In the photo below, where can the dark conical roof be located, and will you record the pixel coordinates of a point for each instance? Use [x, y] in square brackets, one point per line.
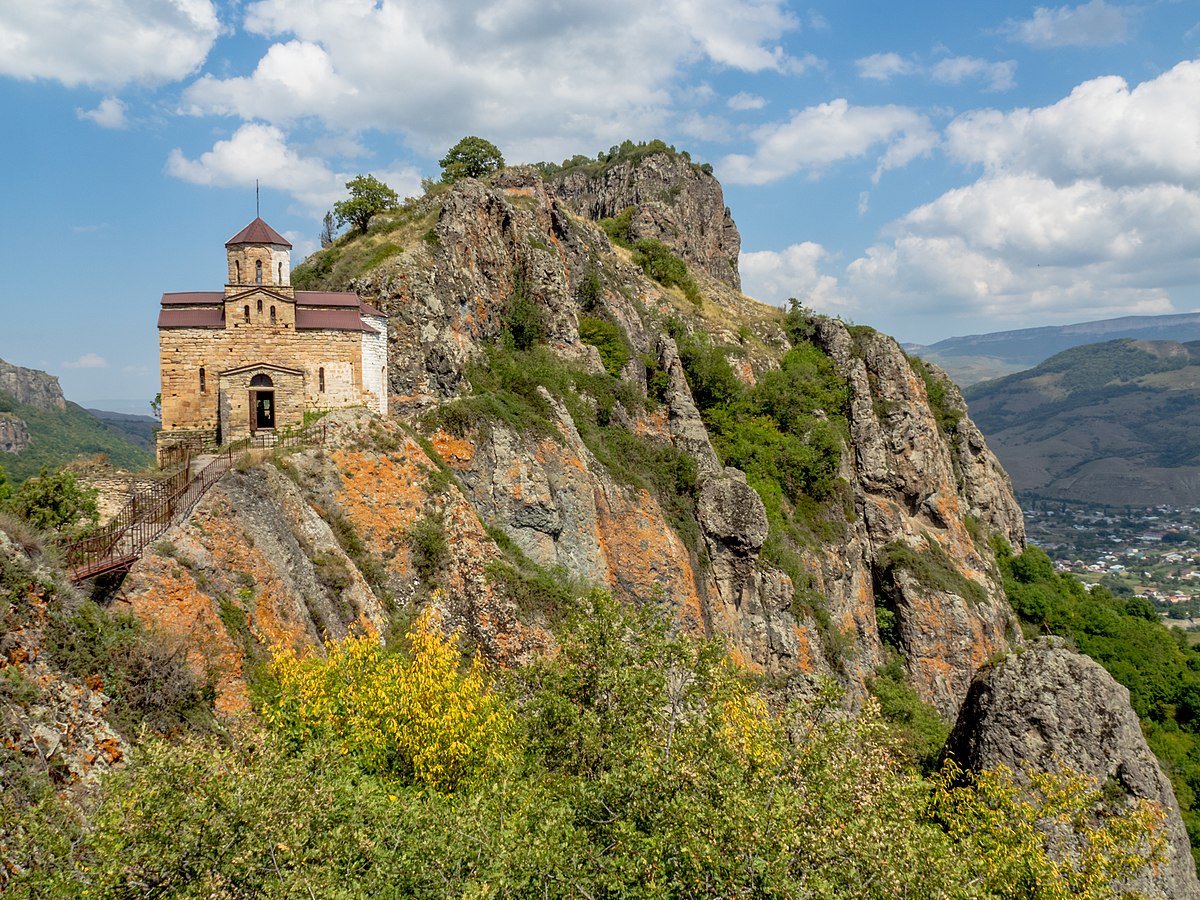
[258, 232]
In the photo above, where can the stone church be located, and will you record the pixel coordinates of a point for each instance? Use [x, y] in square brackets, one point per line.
[259, 355]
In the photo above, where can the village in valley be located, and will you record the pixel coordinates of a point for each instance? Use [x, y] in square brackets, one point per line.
[1151, 552]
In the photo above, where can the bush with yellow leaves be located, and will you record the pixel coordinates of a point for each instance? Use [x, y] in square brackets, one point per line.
[421, 717]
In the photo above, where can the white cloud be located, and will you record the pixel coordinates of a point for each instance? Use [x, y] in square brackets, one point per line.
[1103, 129]
[109, 114]
[1094, 24]
[773, 277]
[537, 79]
[1087, 208]
[745, 101]
[819, 136]
[885, 66]
[106, 42]
[261, 152]
[957, 69]
[87, 361]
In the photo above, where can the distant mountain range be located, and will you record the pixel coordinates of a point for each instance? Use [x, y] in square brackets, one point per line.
[1115, 422]
[979, 357]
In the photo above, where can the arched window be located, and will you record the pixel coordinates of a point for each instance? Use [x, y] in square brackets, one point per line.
[246, 313]
[258, 271]
[321, 379]
[237, 271]
[260, 307]
[272, 315]
[261, 381]
[202, 380]
[280, 281]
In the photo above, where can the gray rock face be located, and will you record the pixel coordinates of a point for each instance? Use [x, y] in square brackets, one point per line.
[905, 481]
[675, 202]
[31, 387]
[14, 435]
[1048, 706]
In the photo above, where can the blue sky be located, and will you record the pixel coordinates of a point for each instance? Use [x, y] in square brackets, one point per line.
[930, 169]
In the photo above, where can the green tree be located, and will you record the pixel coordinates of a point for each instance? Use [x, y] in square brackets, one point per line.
[5, 487]
[368, 196]
[472, 157]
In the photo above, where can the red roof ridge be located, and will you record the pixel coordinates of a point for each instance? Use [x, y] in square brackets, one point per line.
[258, 232]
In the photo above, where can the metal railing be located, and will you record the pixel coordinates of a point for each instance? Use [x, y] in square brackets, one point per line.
[150, 511]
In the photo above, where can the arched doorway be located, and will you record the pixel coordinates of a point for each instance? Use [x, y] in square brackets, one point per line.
[262, 403]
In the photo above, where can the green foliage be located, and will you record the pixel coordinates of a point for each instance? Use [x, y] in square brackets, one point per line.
[640, 765]
[618, 227]
[1157, 665]
[430, 548]
[148, 679]
[932, 568]
[659, 262]
[590, 290]
[60, 436]
[920, 732]
[626, 151]
[606, 337]
[524, 324]
[55, 502]
[471, 157]
[368, 197]
[5, 487]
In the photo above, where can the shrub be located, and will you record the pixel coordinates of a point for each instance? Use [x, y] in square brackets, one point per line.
[606, 337]
[419, 719]
[618, 227]
[932, 568]
[429, 547]
[523, 323]
[55, 502]
[658, 262]
[149, 680]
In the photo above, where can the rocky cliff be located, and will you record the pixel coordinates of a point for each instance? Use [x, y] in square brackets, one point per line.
[1048, 706]
[672, 200]
[14, 434]
[30, 387]
[540, 460]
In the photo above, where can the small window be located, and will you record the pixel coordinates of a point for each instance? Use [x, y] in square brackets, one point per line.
[280, 273]
[237, 272]
[261, 381]
[246, 314]
[258, 271]
[260, 307]
[202, 380]
[272, 315]
[321, 379]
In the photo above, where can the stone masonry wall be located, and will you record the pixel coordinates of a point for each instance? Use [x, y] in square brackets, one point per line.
[183, 351]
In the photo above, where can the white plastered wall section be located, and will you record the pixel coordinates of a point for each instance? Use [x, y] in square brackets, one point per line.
[374, 362]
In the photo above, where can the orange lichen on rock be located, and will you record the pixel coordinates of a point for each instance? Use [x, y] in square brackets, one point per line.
[645, 557]
[382, 495]
[168, 597]
[455, 451]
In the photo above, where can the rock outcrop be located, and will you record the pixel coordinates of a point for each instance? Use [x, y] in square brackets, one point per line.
[31, 387]
[674, 201]
[908, 484]
[1048, 706]
[14, 434]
